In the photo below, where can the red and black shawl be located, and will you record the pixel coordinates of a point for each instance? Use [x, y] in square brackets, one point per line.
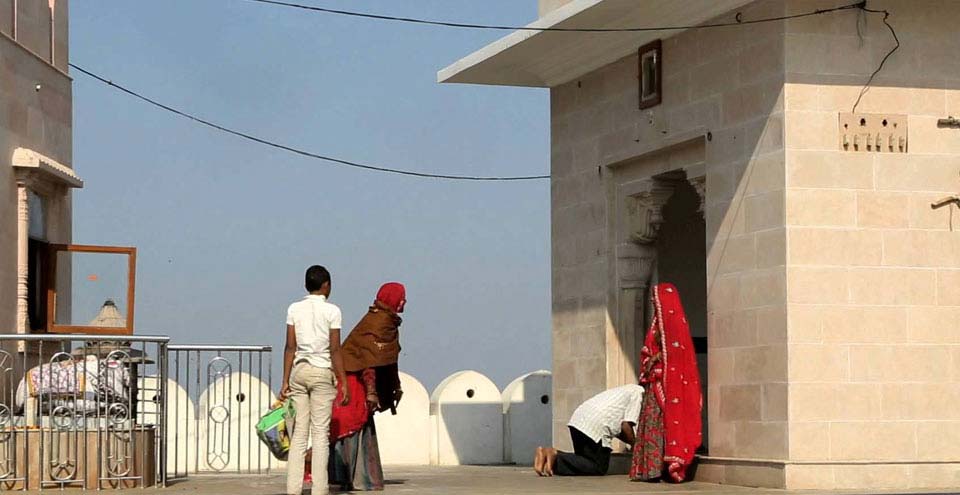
[669, 429]
[370, 355]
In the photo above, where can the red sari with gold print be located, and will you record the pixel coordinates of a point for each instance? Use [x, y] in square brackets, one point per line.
[669, 428]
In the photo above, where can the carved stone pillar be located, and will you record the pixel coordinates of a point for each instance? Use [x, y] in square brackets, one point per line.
[644, 211]
[700, 184]
[51, 179]
[639, 224]
[635, 264]
[23, 264]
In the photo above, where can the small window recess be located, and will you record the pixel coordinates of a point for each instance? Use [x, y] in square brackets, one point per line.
[36, 260]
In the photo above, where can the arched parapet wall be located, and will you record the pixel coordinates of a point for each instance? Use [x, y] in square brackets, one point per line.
[467, 409]
[527, 416]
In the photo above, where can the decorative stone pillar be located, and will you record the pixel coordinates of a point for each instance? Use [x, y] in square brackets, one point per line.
[23, 263]
[700, 184]
[635, 264]
[640, 220]
[44, 176]
[644, 211]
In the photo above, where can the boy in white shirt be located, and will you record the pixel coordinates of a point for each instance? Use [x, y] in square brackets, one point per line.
[311, 360]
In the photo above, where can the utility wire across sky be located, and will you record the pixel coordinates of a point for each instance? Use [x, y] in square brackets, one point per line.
[376, 168]
[496, 27]
[298, 151]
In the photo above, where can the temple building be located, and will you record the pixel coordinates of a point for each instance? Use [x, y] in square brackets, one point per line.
[794, 176]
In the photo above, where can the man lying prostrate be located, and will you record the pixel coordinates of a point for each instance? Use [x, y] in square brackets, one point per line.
[608, 415]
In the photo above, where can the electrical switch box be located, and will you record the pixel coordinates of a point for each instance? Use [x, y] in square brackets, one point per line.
[873, 133]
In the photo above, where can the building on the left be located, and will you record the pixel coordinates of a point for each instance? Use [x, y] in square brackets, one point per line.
[39, 265]
[36, 171]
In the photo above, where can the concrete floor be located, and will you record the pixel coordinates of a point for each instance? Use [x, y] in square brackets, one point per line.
[474, 480]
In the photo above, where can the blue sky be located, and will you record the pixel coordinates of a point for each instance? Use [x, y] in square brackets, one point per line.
[225, 228]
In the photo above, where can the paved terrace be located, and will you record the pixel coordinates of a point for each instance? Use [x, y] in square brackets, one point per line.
[474, 480]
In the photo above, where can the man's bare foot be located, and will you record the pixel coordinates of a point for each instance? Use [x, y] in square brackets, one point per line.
[538, 461]
[550, 461]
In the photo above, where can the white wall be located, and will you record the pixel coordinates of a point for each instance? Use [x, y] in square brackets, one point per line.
[526, 417]
[469, 419]
[449, 427]
[181, 421]
[405, 438]
[229, 410]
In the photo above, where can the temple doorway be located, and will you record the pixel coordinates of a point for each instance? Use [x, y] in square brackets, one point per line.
[682, 261]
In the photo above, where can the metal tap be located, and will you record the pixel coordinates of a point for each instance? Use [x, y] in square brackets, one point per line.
[940, 203]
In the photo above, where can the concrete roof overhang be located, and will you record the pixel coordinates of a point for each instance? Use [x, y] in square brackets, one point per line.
[550, 58]
[27, 160]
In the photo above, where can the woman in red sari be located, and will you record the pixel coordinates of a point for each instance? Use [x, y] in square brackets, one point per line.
[669, 428]
[370, 356]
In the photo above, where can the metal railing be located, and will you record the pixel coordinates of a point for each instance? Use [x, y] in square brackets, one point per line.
[95, 412]
[82, 411]
[221, 392]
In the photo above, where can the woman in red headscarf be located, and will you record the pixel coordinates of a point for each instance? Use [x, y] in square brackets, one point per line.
[370, 356]
[669, 427]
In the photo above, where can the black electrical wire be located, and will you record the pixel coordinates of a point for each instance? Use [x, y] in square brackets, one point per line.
[498, 27]
[866, 87]
[861, 5]
[298, 151]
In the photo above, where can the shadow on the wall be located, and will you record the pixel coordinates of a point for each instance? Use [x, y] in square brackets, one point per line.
[527, 413]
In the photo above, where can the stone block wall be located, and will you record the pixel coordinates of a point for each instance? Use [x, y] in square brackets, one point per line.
[873, 306]
[728, 83]
[832, 303]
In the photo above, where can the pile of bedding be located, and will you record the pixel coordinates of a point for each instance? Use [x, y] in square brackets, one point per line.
[83, 386]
